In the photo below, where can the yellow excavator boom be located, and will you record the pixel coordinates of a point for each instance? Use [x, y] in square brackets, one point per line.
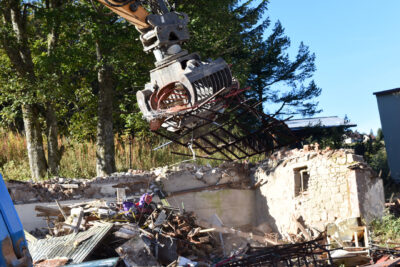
[132, 11]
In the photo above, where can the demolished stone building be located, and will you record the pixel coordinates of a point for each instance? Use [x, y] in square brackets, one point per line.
[309, 186]
[317, 188]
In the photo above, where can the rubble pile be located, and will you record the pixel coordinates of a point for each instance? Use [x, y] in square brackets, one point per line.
[142, 232]
[310, 253]
[388, 256]
[72, 189]
[46, 191]
[302, 207]
[227, 175]
[147, 231]
[164, 234]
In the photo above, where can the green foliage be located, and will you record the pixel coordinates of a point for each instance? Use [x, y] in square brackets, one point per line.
[374, 153]
[79, 160]
[65, 75]
[236, 30]
[386, 229]
[325, 137]
[379, 136]
[378, 161]
[16, 170]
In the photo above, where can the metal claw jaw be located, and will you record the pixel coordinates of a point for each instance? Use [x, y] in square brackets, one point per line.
[179, 87]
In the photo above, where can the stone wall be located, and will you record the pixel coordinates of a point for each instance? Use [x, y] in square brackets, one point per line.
[224, 191]
[232, 198]
[337, 185]
[234, 207]
[311, 186]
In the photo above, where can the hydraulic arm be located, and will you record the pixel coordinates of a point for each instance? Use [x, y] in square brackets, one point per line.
[181, 81]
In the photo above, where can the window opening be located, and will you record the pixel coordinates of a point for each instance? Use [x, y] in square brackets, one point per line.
[301, 179]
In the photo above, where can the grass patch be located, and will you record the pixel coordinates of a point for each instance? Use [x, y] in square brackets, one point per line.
[386, 230]
[79, 159]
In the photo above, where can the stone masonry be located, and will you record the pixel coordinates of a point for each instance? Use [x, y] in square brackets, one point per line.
[309, 186]
[316, 188]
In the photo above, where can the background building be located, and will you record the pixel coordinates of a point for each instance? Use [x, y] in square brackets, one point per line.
[389, 110]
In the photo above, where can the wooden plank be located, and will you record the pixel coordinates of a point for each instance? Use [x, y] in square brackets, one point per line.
[61, 210]
[302, 229]
[51, 211]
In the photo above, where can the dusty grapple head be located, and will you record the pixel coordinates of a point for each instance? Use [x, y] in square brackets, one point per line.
[180, 80]
[196, 104]
[179, 86]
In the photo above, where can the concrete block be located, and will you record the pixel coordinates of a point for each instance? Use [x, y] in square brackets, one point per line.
[182, 180]
[235, 207]
[212, 177]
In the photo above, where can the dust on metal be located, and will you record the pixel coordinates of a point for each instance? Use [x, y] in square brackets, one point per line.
[65, 246]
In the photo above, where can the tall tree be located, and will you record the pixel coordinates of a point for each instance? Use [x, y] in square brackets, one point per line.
[53, 9]
[240, 32]
[113, 72]
[29, 37]
[105, 164]
[15, 42]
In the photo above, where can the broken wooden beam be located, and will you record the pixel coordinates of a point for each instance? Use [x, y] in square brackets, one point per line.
[302, 229]
[61, 210]
[51, 212]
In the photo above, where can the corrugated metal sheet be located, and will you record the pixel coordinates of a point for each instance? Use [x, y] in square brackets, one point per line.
[64, 246]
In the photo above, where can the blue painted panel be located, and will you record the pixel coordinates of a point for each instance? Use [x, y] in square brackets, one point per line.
[3, 235]
[10, 219]
[389, 110]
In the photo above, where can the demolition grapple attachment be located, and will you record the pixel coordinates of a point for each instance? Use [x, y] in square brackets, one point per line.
[181, 85]
[180, 81]
[193, 102]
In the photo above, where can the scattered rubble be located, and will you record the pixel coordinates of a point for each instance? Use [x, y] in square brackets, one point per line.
[310, 253]
[157, 234]
[385, 256]
[300, 207]
[188, 176]
[145, 233]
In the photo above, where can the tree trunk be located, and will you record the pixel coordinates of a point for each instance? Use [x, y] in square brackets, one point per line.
[19, 53]
[54, 153]
[105, 155]
[34, 140]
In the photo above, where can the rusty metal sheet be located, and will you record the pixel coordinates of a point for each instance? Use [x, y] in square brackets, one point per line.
[243, 130]
[389, 263]
[65, 246]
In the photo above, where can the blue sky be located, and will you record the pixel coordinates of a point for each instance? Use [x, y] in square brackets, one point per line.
[357, 47]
